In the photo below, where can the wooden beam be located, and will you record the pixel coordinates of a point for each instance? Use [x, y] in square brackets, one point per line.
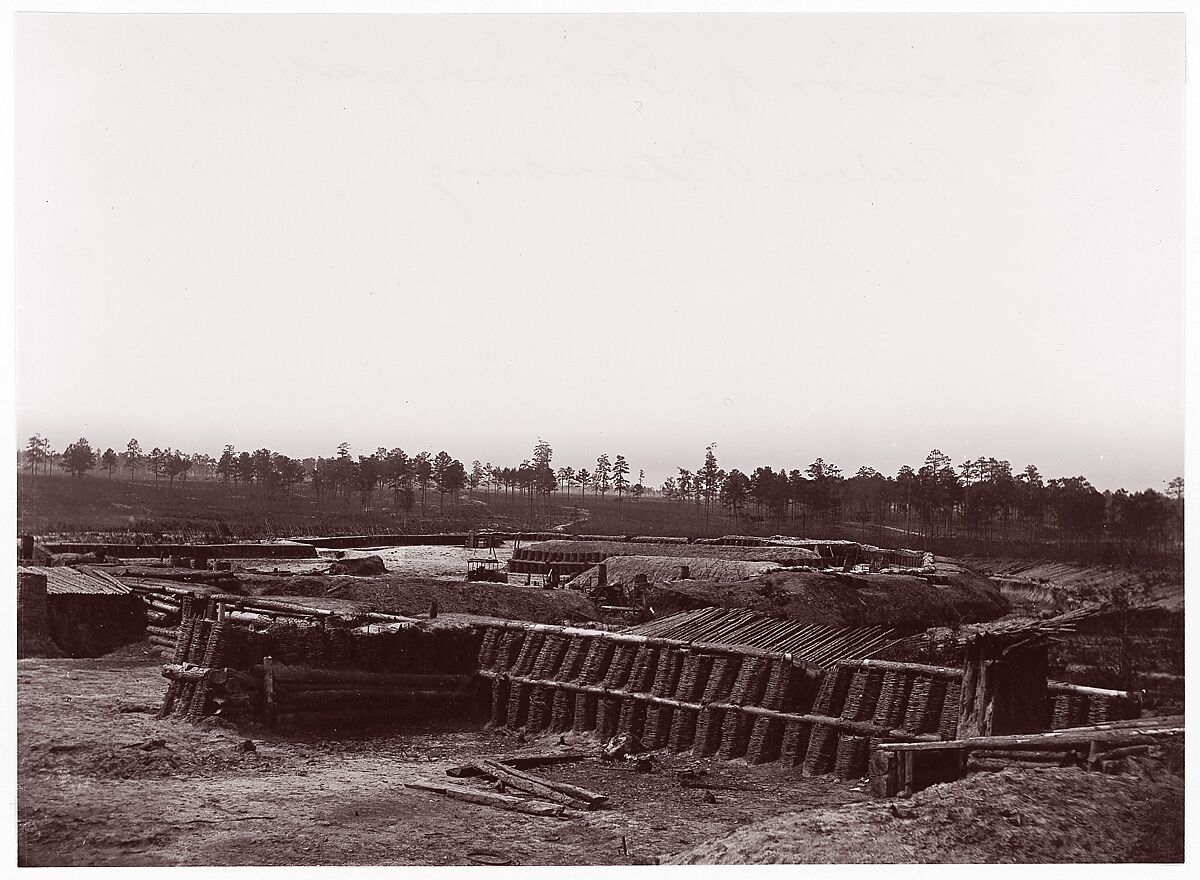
[520, 762]
[863, 727]
[1054, 739]
[489, 799]
[575, 793]
[946, 672]
[532, 785]
[1063, 687]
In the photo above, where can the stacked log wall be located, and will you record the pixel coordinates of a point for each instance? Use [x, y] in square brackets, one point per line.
[711, 700]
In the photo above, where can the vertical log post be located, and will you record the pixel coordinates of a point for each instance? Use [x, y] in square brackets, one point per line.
[885, 774]
[269, 691]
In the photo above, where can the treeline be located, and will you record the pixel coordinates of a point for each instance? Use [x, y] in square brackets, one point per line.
[982, 503]
[341, 479]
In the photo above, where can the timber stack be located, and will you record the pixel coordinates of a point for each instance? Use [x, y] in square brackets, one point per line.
[289, 663]
[731, 701]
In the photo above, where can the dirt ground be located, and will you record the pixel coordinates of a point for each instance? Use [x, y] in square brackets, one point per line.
[1041, 814]
[102, 782]
[424, 561]
[408, 595]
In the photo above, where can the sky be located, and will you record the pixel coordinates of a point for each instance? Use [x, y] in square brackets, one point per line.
[853, 237]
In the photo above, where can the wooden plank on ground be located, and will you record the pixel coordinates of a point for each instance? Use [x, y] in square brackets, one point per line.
[576, 798]
[488, 799]
[520, 762]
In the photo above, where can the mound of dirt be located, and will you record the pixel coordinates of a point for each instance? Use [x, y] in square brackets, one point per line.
[1015, 815]
[662, 569]
[400, 595]
[954, 594]
[359, 566]
[1074, 584]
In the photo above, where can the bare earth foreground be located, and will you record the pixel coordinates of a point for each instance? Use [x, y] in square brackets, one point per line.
[102, 782]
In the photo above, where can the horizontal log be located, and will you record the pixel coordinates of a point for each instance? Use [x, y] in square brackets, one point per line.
[489, 799]
[160, 605]
[522, 782]
[171, 631]
[187, 672]
[839, 723]
[1122, 752]
[379, 696]
[583, 795]
[977, 763]
[343, 716]
[370, 688]
[237, 681]
[521, 762]
[161, 591]
[227, 699]
[276, 605]
[1129, 723]
[1033, 757]
[1057, 739]
[944, 672]
[289, 676]
[1062, 687]
[249, 617]
[382, 617]
[633, 638]
[161, 616]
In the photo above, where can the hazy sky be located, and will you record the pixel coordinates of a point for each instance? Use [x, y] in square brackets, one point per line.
[851, 237]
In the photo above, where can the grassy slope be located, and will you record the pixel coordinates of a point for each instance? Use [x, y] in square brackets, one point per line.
[210, 510]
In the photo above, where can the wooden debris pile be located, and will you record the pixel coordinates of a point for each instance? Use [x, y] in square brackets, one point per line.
[543, 797]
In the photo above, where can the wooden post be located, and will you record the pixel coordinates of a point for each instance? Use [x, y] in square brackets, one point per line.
[269, 691]
[885, 773]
